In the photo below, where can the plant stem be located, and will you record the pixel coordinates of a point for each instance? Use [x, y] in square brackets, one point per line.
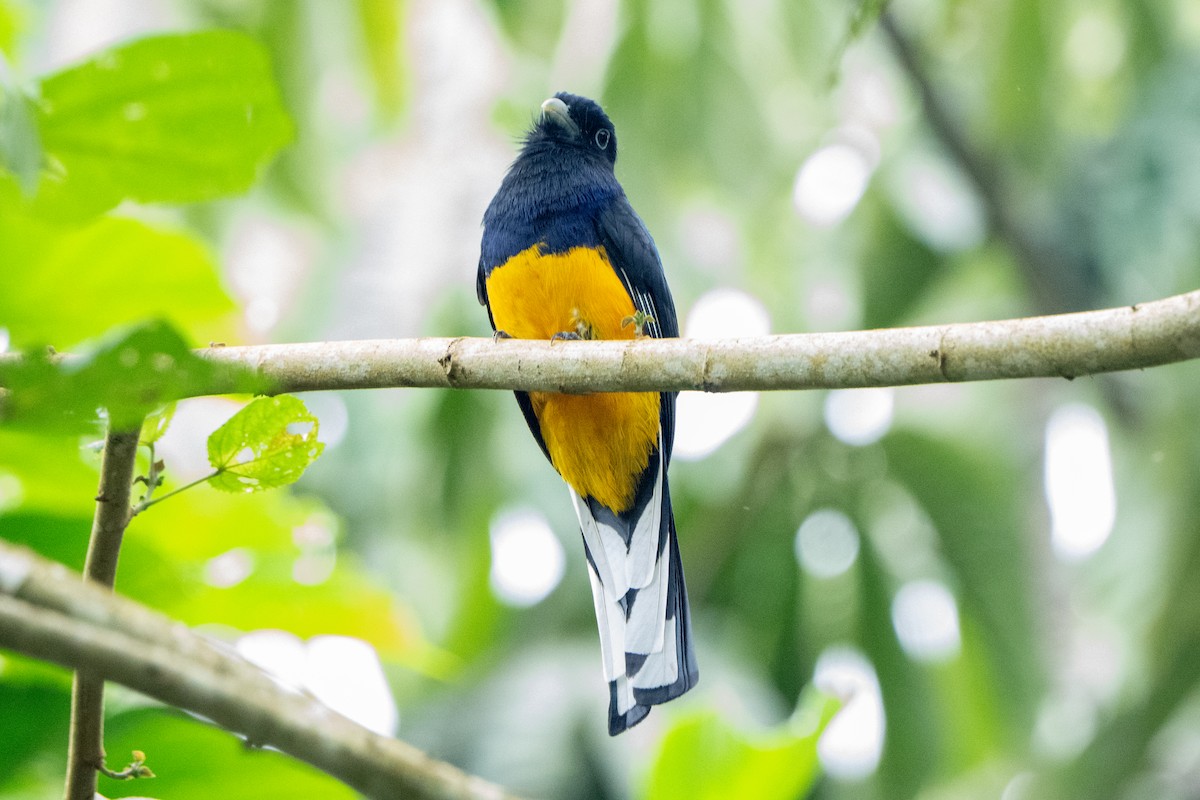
[85, 752]
[142, 506]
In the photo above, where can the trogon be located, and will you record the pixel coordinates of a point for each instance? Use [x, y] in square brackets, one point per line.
[564, 256]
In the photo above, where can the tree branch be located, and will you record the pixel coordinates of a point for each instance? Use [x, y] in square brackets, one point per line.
[85, 751]
[47, 613]
[1067, 345]
[1062, 345]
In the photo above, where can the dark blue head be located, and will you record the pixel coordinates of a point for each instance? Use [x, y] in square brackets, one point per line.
[559, 184]
[576, 124]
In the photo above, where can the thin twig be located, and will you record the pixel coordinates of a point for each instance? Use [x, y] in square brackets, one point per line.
[149, 501]
[45, 612]
[85, 752]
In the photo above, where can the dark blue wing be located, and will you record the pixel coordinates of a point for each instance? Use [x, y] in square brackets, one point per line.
[631, 251]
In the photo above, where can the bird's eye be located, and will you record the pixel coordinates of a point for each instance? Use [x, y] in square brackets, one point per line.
[602, 136]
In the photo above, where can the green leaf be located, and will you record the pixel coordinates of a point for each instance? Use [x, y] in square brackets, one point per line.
[63, 286]
[130, 372]
[156, 423]
[176, 118]
[702, 756]
[267, 444]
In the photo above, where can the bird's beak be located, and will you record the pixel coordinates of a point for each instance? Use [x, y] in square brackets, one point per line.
[555, 110]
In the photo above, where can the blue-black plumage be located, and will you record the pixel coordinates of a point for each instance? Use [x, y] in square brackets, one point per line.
[564, 255]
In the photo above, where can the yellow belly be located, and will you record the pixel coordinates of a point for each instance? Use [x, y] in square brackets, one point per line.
[599, 443]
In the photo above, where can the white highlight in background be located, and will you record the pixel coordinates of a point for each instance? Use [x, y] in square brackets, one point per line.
[527, 558]
[1019, 788]
[1095, 45]
[852, 744]
[1066, 723]
[937, 203]
[330, 409]
[703, 421]
[1079, 481]
[343, 673]
[265, 259]
[12, 491]
[860, 416]
[830, 183]
[229, 568]
[827, 543]
[925, 616]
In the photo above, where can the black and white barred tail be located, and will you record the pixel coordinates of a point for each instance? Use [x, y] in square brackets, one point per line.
[640, 599]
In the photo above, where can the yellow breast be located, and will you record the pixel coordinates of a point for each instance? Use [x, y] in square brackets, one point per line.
[600, 443]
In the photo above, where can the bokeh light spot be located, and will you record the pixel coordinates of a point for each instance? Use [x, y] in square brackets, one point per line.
[229, 568]
[330, 409]
[703, 421]
[925, 616]
[1095, 45]
[345, 674]
[313, 569]
[527, 559]
[1066, 722]
[830, 183]
[938, 203]
[1079, 481]
[852, 744]
[860, 416]
[12, 491]
[827, 543]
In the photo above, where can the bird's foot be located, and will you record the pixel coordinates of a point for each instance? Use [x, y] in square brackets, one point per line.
[568, 336]
[498, 335]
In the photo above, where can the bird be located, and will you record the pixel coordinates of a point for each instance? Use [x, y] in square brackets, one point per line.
[564, 256]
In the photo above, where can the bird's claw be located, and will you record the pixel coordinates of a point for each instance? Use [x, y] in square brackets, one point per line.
[568, 336]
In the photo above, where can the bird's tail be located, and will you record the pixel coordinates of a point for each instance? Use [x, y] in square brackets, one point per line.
[641, 602]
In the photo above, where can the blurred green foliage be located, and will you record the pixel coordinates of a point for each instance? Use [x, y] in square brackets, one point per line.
[363, 141]
[129, 373]
[141, 121]
[703, 757]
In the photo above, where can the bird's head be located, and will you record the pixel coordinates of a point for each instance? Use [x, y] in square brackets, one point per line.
[576, 122]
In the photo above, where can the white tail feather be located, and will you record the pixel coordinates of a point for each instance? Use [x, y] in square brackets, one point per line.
[615, 569]
[646, 655]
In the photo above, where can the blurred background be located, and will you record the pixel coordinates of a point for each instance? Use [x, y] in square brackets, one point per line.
[1001, 580]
